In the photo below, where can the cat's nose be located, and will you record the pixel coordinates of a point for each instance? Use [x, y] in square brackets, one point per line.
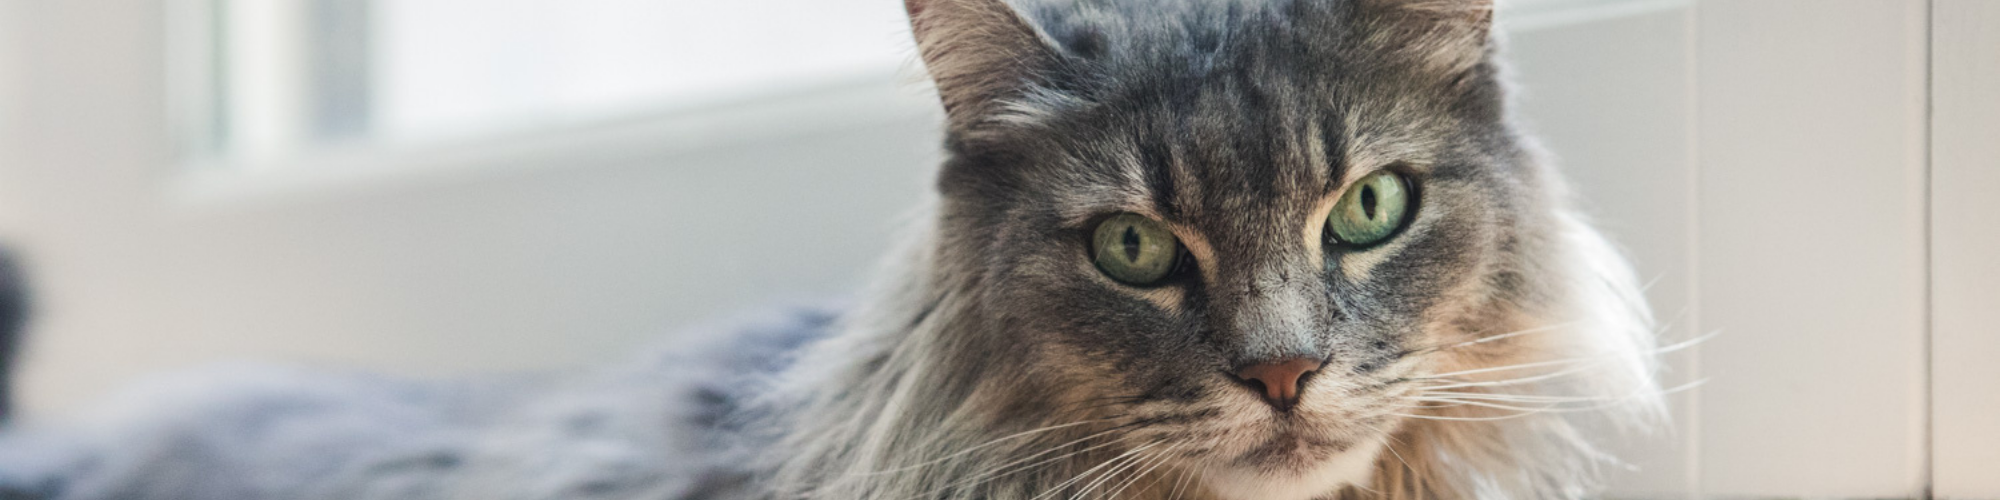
[1278, 381]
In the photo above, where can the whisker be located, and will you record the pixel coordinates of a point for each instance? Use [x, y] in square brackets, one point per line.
[1165, 456]
[1521, 409]
[1004, 470]
[1017, 466]
[1492, 338]
[985, 445]
[1110, 476]
[1087, 472]
[1107, 475]
[1159, 459]
[1138, 462]
[1176, 493]
[1390, 443]
[1507, 382]
[1462, 419]
[1516, 398]
[1603, 403]
[1669, 348]
[1544, 398]
[1506, 368]
[1599, 357]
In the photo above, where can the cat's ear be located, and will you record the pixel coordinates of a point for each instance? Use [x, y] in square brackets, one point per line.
[979, 52]
[1443, 36]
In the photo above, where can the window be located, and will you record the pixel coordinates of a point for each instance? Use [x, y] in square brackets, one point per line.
[282, 77]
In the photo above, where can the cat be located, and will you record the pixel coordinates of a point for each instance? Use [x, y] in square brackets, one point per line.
[1204, 249]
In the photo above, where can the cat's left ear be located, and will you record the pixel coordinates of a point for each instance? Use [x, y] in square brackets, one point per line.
[979, 52]
[1443, 36]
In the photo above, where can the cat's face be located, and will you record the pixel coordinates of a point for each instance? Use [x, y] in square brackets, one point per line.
[1184, 191]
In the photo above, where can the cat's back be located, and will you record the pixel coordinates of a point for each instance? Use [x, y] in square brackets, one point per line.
[660, 426]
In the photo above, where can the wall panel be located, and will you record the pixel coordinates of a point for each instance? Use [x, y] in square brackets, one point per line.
[1811, 255]
[1965, 248]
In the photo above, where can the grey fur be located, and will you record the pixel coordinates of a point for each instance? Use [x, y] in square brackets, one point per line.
[993, 361]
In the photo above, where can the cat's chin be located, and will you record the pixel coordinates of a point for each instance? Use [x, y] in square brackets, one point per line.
[1353, 466]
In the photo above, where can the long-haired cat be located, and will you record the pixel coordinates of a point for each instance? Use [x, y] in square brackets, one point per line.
[1203, 249]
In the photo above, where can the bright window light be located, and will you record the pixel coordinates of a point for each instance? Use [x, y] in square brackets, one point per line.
[287, 77]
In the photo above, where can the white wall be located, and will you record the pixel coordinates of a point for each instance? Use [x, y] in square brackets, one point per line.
[1810, 249]
[1965, 247]
[1766, 163]
[12, 46]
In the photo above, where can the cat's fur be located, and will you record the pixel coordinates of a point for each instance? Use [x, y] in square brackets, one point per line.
[995, 362]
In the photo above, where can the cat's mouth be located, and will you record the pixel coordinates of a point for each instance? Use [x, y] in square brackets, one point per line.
[1294, 464]
[1292, 441]
[1293, 450]
[1247, 448]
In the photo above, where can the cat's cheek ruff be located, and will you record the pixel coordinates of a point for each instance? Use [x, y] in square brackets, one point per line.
[1595, 315]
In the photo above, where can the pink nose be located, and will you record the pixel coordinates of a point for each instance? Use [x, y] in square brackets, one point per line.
[1279, 381]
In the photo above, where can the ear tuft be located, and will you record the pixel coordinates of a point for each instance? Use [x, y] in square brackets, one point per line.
[979, 52]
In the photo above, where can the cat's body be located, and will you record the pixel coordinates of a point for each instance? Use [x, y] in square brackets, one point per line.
[654, 427]
[1152, 271]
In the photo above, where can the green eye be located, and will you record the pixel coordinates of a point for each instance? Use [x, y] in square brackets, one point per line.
[1135, 250]
[1371, 210]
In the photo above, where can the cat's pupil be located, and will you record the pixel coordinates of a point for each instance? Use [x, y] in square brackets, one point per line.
[1131, 244]
[1368, 201]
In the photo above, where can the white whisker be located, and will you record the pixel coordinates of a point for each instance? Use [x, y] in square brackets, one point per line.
[1110, 475]
[988, 444]
[1497, 406]
[1086, 473]
[1166, 458]
[1389, 441]
[1515, 398]
[1159, 459]
[1016, 465]
[1506, 368]
[1541, 398]
[1107, 475]
[1175, 494]
[1462, 419]
[1552, 407]
[1495, 338]
[1593, 358]
[1513, 381]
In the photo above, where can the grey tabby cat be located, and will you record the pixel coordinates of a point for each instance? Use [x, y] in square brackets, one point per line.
[1203, 249]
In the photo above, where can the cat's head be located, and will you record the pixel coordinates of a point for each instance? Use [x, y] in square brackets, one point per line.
[1257, 235]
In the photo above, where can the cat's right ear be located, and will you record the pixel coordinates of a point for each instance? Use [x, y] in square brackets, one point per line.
[979, 52]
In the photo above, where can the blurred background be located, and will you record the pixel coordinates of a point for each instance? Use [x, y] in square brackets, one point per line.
[444, 187]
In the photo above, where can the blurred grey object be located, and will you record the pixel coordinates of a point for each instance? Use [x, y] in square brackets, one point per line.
[13, 317]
